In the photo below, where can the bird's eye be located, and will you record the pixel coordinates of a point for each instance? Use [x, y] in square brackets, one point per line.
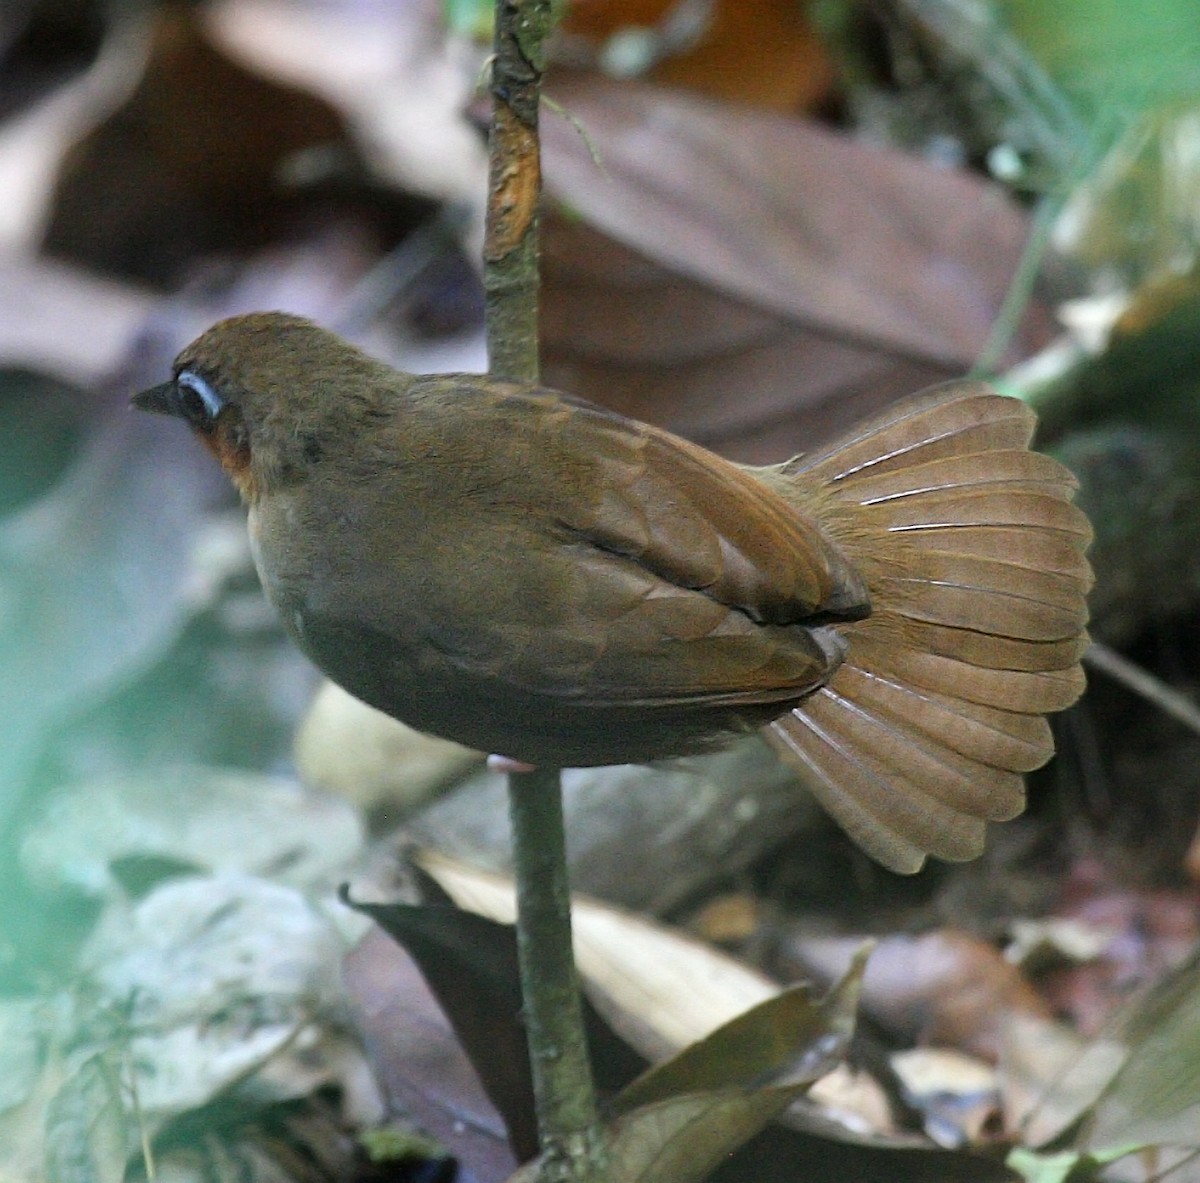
[200, 403]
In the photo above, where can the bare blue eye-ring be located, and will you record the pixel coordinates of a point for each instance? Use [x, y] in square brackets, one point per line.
[212, 401]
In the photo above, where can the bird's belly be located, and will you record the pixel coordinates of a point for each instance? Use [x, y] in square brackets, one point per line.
[439, 693]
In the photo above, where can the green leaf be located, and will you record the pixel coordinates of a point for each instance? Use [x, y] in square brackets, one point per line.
[788, 1037]
[1154, 1098]
[469, 18]
[1035, 1167]
[681, 1140]
[679, 1120]
[1112, 51]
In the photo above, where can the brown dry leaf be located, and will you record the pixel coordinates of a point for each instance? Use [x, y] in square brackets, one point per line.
[855, 1100]
[945, 987]
[420, 1063]
[34, 141]
[851, 237]
[728, 919]
[635, 336]
[764, 52]
[193, 161]
[1143, 934]
[769, 269]
[601, 18]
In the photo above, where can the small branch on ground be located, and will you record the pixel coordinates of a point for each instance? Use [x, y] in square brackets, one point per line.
[1142, 682]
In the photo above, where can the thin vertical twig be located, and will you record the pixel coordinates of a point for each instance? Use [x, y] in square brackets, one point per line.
[572, 1142]
[571, 1138]
[510, 249]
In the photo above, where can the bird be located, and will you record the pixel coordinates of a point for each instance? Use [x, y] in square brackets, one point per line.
[529, 573]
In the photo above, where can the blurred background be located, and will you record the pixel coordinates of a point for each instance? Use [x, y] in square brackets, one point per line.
[763, 220]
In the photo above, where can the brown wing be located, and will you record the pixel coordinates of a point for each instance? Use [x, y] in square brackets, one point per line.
[700, 522]
[591, 558]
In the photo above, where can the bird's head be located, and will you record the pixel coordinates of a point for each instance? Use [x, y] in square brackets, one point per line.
[269, 394]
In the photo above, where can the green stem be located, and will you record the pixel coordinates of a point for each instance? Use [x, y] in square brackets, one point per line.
[1020, 288]
[572, 1142]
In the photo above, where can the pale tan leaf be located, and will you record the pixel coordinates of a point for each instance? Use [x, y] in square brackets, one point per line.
[659, 988]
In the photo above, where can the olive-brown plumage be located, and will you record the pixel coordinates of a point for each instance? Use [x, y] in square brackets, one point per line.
[530, 574]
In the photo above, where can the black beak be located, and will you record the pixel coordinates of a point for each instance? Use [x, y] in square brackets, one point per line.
[157, 399]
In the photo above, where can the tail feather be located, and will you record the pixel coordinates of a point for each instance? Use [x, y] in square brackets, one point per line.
[838, 785]
[986, 595]
[1016, 468]
[852, 753]
[1021, 547]
[952, 420]
[922, 598]
[990, 651]
[936, 770]
[1053, 590]
[974, 558]
[944, 510]
[1041, 690]
[993, 737]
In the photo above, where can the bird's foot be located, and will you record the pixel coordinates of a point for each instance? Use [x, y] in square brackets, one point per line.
[506, 764]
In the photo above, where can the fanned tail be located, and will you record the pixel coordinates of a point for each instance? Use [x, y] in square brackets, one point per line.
[975, 561]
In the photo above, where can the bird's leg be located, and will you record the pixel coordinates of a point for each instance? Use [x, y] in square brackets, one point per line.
[498, 763]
